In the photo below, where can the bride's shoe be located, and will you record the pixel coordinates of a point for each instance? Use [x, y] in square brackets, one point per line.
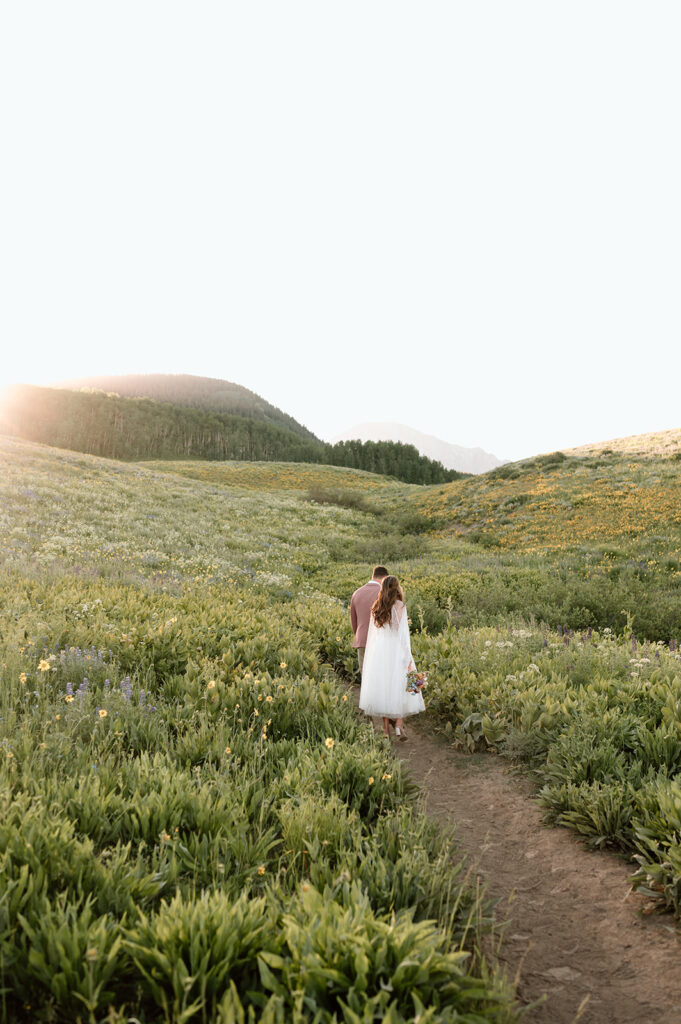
[400, 734]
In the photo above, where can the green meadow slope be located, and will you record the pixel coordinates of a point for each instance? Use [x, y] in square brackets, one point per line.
[196, 825]
[195, 822]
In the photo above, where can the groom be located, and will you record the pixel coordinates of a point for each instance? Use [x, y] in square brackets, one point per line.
[360, 610]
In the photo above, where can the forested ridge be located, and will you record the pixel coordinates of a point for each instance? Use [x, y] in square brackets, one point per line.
[142, 428]
[208, 393]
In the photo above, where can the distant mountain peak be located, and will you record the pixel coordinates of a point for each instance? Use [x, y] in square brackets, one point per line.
[452, 456]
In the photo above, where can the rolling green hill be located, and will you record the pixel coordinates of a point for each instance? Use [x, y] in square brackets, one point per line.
[143, 428]
[207, 393]
[137, 428]
[560, 502]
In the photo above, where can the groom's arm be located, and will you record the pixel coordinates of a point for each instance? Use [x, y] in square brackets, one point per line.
[353, 614]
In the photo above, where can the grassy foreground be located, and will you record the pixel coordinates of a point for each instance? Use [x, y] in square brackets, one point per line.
[195, 824]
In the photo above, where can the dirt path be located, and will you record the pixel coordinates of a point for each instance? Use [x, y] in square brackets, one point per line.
[575, 930]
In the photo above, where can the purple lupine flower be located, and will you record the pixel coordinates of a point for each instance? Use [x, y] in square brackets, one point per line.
[107, 685]
[69, 689]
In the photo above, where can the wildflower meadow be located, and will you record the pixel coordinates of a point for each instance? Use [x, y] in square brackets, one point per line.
[196, 824]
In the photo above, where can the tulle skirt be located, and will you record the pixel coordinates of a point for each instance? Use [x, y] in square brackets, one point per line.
[384, 678]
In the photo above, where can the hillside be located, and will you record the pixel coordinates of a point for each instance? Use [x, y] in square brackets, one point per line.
[295, 477]
[207, 393]
[177, 636]
[136, 428]
[143, 429]
[452, 456]
[662, 443]
[188, 793]
[559, 503]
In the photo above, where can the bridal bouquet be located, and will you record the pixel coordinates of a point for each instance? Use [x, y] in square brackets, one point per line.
[416, 681]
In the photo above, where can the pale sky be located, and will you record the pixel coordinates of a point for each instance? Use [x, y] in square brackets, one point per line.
[465, 217]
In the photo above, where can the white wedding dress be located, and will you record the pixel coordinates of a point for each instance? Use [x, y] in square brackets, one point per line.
[384, 676]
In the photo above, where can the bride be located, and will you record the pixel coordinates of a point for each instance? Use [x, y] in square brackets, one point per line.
[387, 660]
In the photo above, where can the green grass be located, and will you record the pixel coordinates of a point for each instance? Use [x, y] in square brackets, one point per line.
[229, 808]
[594, 716]
[296, 477]
[196, 825]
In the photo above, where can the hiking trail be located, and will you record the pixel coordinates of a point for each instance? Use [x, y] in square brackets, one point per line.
[576, 932]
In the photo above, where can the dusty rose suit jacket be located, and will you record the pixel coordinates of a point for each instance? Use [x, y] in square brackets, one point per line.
[360, 611]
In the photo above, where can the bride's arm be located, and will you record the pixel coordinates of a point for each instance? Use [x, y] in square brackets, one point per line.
[404, 637]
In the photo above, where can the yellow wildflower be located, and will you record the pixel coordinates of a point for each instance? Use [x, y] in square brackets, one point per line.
[386, 776]
[103, 712]
[43, 746]
[57, 717]
[23, 677]
[371, 780]
[261, 869]
[44, 666]
[269, 698]
[211, 685]
[282, 664]
[228, 750]
[68, 698]
[329, 743]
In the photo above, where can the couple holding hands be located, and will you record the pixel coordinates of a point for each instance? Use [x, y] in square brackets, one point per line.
[379, 621]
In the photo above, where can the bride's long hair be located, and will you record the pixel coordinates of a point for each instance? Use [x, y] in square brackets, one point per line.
[382, 607]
